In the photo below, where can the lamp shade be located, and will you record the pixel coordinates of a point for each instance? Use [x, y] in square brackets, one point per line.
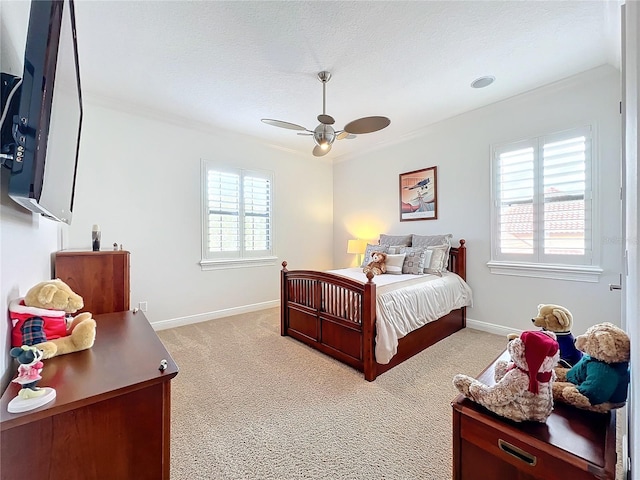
[356, 246]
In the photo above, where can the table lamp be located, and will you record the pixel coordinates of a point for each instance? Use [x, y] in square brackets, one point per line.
[358, 247]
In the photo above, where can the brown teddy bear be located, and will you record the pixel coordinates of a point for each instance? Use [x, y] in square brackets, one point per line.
[599, 381]
[39, 319]
[558, 319]
[378, 265]
[523, 386]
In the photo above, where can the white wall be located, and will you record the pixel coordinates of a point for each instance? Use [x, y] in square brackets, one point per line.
[139, 179]
[26, 240]
[366, 195]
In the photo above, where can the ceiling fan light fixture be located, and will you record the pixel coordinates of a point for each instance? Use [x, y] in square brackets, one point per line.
[324, 135]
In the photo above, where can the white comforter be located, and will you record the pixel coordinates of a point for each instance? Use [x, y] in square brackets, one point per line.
[407, 302]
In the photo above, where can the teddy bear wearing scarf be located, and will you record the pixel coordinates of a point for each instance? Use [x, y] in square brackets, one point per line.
[523, 386]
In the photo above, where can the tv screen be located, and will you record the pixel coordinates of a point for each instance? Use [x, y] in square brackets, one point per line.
[47, 125]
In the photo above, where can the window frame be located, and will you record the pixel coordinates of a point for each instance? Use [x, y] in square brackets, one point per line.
[237, 258]
[541, 265]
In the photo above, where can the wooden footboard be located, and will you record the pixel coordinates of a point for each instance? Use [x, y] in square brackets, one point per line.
[337, 316]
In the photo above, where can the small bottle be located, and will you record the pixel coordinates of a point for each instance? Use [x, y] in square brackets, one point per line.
[95, 238]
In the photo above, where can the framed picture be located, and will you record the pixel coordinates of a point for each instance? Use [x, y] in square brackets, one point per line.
[419, 195]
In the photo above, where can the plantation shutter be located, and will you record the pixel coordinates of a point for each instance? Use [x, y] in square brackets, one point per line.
[567, 200]
[543, 199]
[515, 189]
[257, 214]
[223, 192]
[237, 214]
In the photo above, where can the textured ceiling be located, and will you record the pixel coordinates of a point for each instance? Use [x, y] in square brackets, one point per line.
[226, 65]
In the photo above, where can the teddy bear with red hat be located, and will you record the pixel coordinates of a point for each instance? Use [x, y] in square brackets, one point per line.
[523, 386]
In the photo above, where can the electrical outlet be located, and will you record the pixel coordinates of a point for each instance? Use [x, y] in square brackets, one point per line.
[142, 306]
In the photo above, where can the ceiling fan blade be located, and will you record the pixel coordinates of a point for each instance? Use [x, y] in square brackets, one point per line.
[281, 124]
[306, 134]
[367, 125]
[344, 134]
[318, 151]
[326, 119]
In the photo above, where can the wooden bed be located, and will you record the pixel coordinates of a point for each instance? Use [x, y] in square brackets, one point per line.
[337, 316]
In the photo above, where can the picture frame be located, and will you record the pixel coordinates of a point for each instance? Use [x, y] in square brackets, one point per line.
[419, 195]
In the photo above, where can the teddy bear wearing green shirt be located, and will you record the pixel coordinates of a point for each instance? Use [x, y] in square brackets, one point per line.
[599, 381]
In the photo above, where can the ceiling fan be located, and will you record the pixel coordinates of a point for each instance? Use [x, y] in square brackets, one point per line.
[324, 134]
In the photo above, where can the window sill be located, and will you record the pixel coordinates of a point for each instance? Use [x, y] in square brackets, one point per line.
[226, 263]
[576, 273]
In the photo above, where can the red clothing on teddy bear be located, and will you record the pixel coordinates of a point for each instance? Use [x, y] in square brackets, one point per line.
[49, 324]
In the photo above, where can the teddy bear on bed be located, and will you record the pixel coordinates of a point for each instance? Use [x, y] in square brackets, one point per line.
[377, 265]
[559, 320]
[599, 381]
[523, 386]
[39, 319]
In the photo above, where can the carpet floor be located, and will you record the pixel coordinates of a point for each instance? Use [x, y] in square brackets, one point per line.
[250, 404]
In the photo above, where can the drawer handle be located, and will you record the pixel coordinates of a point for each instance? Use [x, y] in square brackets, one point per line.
[517, 452]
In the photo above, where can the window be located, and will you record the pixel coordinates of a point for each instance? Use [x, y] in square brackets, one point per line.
[237, 217]
[543, 207]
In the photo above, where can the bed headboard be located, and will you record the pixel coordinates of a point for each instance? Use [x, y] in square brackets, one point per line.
[458, 260]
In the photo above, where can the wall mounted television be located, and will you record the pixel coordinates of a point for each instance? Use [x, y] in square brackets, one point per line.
[47, 122]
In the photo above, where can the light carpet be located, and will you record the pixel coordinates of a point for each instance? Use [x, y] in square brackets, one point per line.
[250, 404]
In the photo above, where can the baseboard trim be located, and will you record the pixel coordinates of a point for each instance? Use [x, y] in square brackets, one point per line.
[203, 317]
[491, 328]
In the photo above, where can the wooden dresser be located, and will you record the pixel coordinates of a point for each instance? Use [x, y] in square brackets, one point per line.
[572, 444]
[100, 278]
[110, 418]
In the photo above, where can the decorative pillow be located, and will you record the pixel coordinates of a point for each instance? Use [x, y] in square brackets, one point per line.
[395, 249]
[369, 250]
[438, 260]
[414, 260]
[432, 241]
[394, 263]
[402, 240]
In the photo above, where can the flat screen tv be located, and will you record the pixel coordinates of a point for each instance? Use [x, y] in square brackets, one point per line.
[46, 127]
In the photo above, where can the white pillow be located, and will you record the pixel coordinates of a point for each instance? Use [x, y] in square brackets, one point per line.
[394, 263]
[438, 261]
[432, 241]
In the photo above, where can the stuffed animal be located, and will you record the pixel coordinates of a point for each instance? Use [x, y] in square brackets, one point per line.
[523, 386]
[599, 381]
[377, 265]
[559, 320]
[39, 319]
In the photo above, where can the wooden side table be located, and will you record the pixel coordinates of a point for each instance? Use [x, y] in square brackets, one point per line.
[110, 418]
[572, 444]
[100, 278]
